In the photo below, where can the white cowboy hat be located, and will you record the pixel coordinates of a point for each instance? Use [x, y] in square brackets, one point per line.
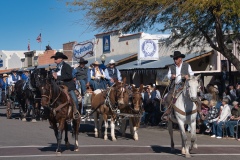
[112, 61]
[5, 75]
[96, 63]
[25, 70]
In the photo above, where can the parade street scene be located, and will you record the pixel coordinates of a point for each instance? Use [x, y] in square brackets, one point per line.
[118, 79]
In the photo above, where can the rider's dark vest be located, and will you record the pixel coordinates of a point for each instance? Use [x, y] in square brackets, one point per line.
[82, 73]
[153, 94]
[111, 74]
[184, 70]
[15, 78]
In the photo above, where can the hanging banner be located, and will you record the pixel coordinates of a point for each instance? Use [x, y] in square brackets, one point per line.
[148, 49]
[106, 43]
[84, 49]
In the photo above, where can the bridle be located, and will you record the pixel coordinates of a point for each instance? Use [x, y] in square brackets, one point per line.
[137, 104]
[49, 97]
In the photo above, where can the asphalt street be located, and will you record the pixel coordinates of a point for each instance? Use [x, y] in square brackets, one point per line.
[28, 140]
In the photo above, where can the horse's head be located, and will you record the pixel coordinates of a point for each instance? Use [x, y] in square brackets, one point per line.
[193, 86]
[122, 95]
[36, 76]
[136, 98]
[45, 88]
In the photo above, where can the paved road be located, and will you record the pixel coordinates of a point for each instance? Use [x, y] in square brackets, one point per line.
[27, 140]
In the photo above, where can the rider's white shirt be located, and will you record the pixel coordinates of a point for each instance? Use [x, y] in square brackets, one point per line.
[10, 81]
[178, 73]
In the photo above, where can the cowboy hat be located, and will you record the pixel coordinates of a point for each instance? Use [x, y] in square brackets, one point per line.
[25, 70]
[234, 103]
[205, 102]
[96, 63]
[82, 60]
[177, 54]
[111, 61]
[14, 70]
[5, 75]
[59, 55]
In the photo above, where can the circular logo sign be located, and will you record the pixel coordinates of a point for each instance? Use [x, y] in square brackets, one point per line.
[149, 48]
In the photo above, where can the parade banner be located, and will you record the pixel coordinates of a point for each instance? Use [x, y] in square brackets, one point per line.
[148, 49]
[84, 49]
[106, 43]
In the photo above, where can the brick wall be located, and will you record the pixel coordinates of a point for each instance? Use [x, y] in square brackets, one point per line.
[67, 49]
[45, 58]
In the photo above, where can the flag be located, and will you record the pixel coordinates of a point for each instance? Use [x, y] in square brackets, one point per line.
[28, 46]
[39, 38]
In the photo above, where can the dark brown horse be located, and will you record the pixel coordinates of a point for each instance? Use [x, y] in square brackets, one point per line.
[107, 103]
[60, 105]
[133, 111]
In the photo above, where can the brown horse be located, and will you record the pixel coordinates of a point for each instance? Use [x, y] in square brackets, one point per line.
[108, 103]
[134, 111]
[60, 105]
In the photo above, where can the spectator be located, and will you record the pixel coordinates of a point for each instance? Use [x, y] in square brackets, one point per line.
[233, 94]
[235, 116]
[211, 117]
[222, 118]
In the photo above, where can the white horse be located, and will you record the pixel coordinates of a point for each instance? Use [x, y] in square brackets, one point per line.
[185, 111]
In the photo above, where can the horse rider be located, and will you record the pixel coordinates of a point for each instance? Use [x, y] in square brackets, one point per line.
[63, 75]
[25, 77]
[83, 75]
[13, 78]
[178, 72]
[112, 73]
[97, 77]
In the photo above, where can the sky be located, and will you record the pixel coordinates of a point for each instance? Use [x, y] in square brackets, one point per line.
[21, 21]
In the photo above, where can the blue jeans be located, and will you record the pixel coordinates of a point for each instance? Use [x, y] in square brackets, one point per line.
[217, 128]
[83, 86]
[74, 97]
[230, 127]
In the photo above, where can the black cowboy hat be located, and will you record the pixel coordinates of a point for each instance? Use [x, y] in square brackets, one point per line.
[82, 60]
[177, 54]
[59, 55]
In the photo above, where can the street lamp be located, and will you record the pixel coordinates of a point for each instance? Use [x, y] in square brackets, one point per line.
[229, 45]
[103, 58]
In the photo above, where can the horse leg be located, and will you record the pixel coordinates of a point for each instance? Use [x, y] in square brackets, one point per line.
[123, 127]
[193, 136]
[24, 112]
[95, 124]
[105, 119]
[67, 144]
[185, 147]
[170, 131]
[100, 122]
[76, 125]
[33, 111]
[113, 129]
[59, 136]
[134, 121]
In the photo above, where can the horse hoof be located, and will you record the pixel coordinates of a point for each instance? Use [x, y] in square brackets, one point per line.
[114, 139]
[34, 120]
[188, 156]
[58, 151]
[76, 150]
[24, 120]
[105, 138]
[195, 146]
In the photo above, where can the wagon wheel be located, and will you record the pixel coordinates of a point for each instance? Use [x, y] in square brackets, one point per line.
[9, 109]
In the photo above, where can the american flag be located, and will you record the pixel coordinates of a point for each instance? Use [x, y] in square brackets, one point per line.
[28, 46]
[39, 38]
